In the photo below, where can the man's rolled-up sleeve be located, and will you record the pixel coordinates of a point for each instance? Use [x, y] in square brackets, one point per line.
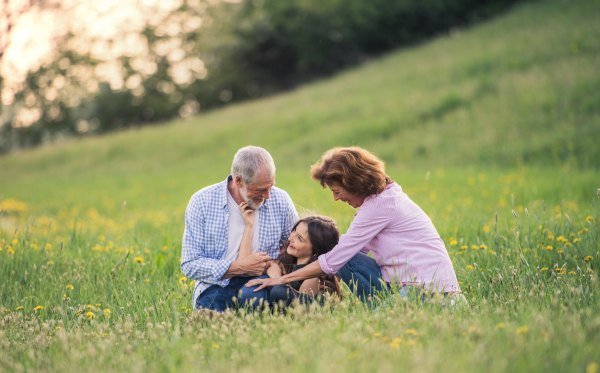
[195, 264]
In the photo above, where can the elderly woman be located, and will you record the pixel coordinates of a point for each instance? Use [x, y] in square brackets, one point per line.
[407, 250]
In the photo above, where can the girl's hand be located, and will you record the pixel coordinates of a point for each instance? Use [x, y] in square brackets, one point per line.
[264, 282]
[247, 214]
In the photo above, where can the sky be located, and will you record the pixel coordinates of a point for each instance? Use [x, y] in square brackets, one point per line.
[107, 28]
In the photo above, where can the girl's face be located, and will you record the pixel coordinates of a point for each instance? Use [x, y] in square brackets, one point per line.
[300, 245]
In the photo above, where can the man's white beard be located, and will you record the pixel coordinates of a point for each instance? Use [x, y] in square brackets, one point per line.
[252, 203]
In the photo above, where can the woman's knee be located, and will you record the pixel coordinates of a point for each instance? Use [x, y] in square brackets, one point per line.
[360, 267]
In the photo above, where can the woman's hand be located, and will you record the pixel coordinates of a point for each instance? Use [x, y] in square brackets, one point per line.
[247, 214]
[264, 282]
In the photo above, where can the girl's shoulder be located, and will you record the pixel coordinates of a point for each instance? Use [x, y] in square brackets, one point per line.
[297, 267]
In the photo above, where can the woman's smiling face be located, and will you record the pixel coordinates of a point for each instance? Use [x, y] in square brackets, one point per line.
[340, 193]
[300, 245]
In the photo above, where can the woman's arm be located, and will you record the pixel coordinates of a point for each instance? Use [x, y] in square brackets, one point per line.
[310, 271]
[274, 271]
[246, 245]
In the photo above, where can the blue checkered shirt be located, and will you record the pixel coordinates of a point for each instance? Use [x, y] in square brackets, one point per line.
[205, 237]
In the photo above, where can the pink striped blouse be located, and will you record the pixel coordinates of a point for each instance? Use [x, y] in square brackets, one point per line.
[402, 239]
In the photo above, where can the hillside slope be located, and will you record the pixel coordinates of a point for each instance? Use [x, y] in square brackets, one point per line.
[521, 89]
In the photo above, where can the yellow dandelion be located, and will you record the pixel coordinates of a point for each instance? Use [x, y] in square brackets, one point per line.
[139, 259]
[572, 273]
[90, 315]
[70, 287]
[588, 258]
[522, 330]
[15, 242]
[19, 308]
[486, 229]
[351, 355]
[470, 267]
[182, 280]
[90, 306]
[474, 247]
[48, 246]
[101, 238]
[10, 251]
[543, 269]
[464, 247]
[412, 331]
[586, 219]
[215, 346]
[453, 242]
[483, 247]
[500, 326]
[384, 339]
[165, 248]
[390, 312]
[38, 308]
[50, 263]
[365, 340]
[104, 334]
[591, 368]
[147, 280]
[58, 328]
[548, 247]
[376, 335]
[590, 270]
[576, 240]
[64, 295]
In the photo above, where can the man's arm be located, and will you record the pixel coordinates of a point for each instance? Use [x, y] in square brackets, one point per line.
[196, 264]
[253, 265]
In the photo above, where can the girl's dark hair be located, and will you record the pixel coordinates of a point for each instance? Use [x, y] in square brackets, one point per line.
[323, 234]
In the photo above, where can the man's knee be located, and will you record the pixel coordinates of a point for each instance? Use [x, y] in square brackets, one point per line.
[215, 298]
[247, 296]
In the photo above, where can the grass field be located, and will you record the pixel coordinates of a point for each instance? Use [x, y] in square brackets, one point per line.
[493, 131]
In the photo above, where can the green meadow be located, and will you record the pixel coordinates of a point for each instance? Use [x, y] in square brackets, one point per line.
[492, 130]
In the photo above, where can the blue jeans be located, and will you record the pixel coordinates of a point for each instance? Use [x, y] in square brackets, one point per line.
[219, 298]
[285, 294]
[363, 276]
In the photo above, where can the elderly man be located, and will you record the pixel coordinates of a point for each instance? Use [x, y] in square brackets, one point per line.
[214, 227]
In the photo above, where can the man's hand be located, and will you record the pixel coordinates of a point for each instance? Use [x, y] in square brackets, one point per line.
[253, 265]
[264, 282]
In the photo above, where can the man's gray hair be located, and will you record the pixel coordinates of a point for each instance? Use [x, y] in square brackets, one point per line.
[249, 160]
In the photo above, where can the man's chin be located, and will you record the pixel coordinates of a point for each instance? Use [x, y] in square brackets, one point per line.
[255, 205]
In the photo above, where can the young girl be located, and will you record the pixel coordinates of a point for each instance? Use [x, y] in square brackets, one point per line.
[310, 237]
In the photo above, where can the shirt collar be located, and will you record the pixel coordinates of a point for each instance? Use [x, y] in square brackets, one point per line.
[223, 194]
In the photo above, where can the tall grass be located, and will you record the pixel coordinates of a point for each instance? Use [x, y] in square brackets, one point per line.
[492, 131]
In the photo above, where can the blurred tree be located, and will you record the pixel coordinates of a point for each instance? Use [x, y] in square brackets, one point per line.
[122, 63]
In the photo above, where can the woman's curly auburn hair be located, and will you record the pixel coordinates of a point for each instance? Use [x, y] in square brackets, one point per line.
[355, 169]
